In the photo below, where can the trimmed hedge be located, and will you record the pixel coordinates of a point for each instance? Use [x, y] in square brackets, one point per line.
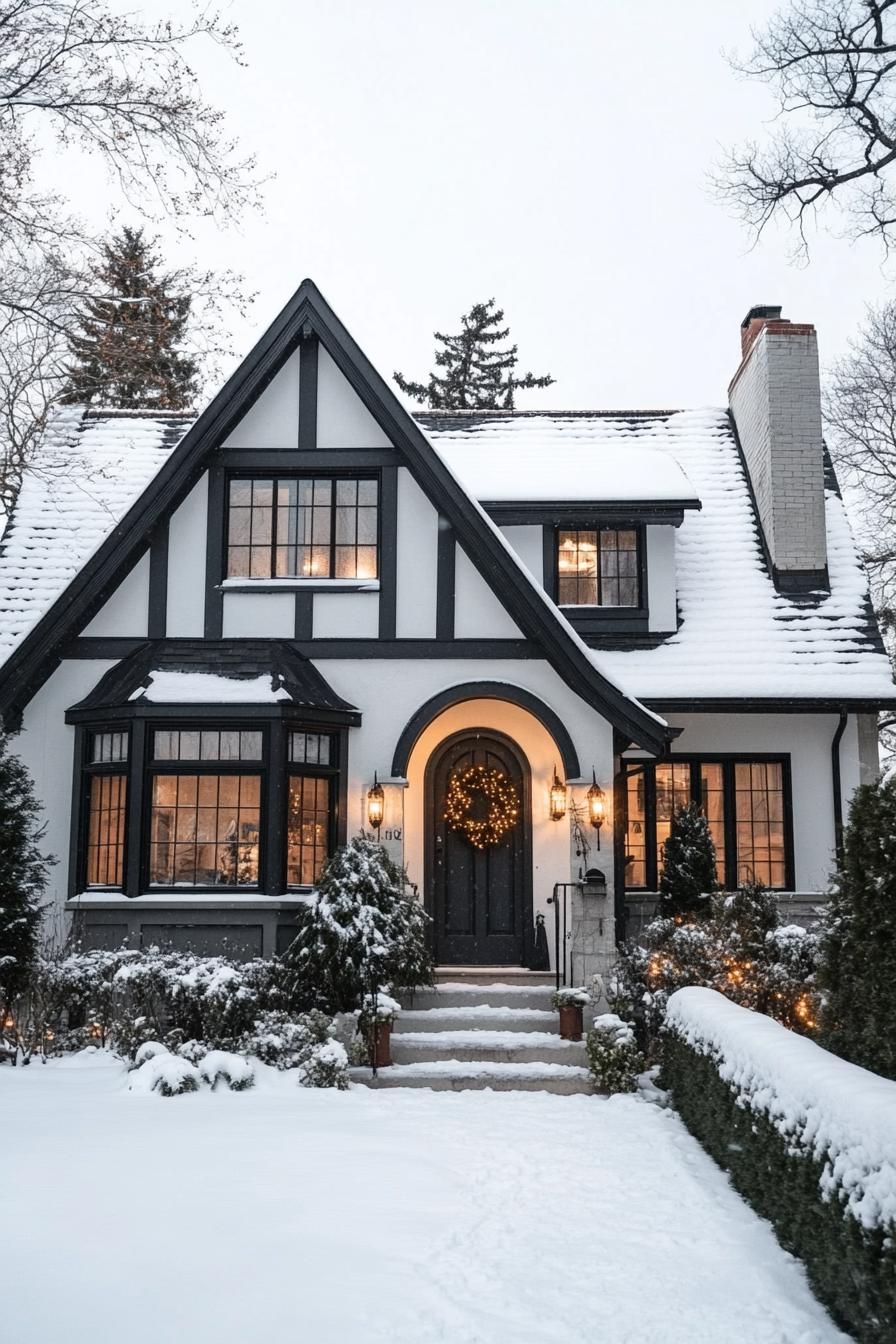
[852, 1267]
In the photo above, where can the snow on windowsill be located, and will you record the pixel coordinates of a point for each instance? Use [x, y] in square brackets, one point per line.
[185, 898]
[300, 584]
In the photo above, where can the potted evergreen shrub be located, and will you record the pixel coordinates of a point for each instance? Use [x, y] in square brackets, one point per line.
[375, 1020]
[571, 1003]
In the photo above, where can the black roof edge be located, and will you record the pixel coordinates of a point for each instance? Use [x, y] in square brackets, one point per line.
[767, 704]
[116, 555]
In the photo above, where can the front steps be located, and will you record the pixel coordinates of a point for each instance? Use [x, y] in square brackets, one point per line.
[468, 1034]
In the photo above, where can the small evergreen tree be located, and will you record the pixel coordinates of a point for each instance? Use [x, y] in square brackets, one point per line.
[689, 865]
[129, 350]
[23, 874]
[857, 971]
[472, 372]
[359, 930]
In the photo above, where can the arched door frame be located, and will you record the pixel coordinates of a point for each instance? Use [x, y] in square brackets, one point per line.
[430, 822]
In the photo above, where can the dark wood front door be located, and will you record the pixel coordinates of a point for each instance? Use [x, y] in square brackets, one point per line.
[481, 897]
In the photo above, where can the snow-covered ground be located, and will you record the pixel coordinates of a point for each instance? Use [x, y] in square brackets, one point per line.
[287, 1214]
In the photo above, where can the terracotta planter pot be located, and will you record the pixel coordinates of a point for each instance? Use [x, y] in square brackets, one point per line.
[382, 1045]
[571, 1022]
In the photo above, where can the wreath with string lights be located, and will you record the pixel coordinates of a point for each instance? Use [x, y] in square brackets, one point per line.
[482, 805]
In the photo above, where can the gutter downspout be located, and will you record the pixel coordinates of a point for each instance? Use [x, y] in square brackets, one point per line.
[835, 782]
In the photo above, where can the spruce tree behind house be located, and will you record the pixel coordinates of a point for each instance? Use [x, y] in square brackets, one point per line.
[23, 875]
[130, 349]
[473, 370]
[689, 866]
[857, 971]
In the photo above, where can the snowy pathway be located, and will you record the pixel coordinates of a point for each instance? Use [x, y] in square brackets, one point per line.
[399, 1217]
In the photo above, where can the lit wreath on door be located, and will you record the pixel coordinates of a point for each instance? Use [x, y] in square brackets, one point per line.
[482, 805]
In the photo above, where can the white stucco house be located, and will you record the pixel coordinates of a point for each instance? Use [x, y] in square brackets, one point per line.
[228, 642]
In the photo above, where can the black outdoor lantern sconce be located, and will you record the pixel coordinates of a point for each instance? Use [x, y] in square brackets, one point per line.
[376, 804]
[558, 798]
[595, 798]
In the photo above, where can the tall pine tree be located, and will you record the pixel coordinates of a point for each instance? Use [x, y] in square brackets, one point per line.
[857, 970]
[23, 874]
[472, 371]
[129, 350]
[689, 865]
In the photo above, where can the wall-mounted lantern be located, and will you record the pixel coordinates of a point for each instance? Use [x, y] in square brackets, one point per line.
[595, 796]
[558, 798]
[376, 804]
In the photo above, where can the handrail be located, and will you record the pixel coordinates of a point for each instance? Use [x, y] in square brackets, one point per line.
[560, 962]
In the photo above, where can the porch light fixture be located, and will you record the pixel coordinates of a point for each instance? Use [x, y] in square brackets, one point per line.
[595, 796]
[558, 798]
[376, 803]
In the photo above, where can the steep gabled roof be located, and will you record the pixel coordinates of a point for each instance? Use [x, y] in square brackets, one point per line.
[307, 314]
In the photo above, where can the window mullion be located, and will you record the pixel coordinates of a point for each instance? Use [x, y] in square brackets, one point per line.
[136, 813]
[274, 524]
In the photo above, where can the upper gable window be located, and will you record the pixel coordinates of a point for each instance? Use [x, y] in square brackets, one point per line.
[303, 527]
[598, 567]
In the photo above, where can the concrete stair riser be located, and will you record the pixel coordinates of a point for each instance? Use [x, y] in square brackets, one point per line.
[479, 1018]
[477, 1083]
[490, 975]
[414, 1052]
[492, 996]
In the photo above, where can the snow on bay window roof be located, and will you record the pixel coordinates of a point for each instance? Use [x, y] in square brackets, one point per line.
[737, 637]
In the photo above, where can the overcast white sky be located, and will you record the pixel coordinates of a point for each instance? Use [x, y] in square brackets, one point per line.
[550, 153]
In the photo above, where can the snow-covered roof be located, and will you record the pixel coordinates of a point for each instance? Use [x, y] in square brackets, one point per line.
[88, 472]
[558, 457]
[738, 636]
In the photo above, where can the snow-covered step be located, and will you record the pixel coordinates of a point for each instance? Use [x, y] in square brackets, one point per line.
[454, 1075]
[476, 1017]
[457, 994]
[499, 1047]
[487, 975]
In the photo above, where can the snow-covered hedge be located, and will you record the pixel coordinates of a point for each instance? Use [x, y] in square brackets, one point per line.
[808, 1139]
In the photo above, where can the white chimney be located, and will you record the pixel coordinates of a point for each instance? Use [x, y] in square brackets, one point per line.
[775, 399]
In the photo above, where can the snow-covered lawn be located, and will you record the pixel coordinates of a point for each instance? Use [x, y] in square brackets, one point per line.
[402, 1216]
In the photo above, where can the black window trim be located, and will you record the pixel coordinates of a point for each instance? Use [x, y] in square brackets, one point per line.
[581, 615]
[276, 474]
[274, 768]
[728, 760]
[301, 769]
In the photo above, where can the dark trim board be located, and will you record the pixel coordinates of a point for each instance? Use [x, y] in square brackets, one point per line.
[307, 393]
[157, 620]
[216, 526]
[308, 315]
[485, 690]
[446, 564]
[767, 705]
[265, 461]
[388, 551]
[113, 648]
[569, 513]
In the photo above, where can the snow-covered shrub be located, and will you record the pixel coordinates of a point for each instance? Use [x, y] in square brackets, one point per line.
[166, 1074]
[808, 1139]
[325, 1066]
[613, 1054]
[286, 1040]
[178, 997]
[571, 996]
[67, 1002]
[236, 1071]
[857, 969]
[149, 1050]
[360, 928]
[379, 1007]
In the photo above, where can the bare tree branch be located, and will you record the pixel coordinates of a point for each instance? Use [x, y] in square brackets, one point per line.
[832, 64]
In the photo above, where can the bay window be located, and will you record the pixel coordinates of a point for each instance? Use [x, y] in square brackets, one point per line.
[746, 803]
[312, 771]
[303, 527]
[106, 803]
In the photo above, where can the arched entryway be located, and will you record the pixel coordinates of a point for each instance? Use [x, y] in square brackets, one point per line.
[479, 896]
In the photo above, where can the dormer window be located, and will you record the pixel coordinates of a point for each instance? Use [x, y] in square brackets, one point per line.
[598, 567]
[303, 527]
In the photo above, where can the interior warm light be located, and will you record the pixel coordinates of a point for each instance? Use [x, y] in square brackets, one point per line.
[558, 798]
[376, 804]
[595, 798]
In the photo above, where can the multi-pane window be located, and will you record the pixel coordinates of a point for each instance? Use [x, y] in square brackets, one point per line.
[597, 567]
[759, 811]
[205, 830]
[205, 826]
[319, 527]
[107, 794]
[312, 777]
[215, 815]
[744, 803]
